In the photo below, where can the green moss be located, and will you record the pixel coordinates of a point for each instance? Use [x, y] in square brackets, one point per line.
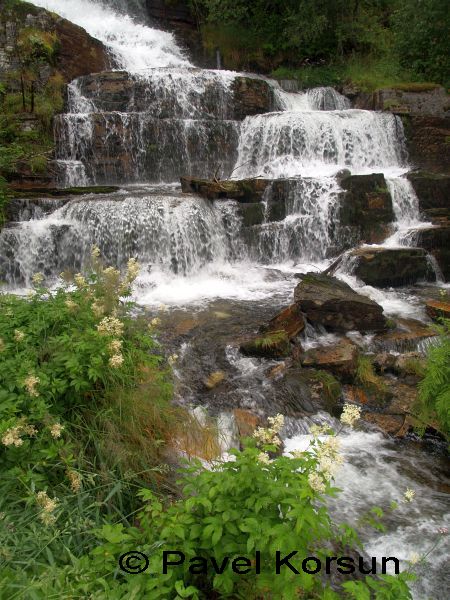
[272, 339]
[330, 385]
[367, 378]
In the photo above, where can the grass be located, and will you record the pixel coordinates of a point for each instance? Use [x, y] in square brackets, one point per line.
[367, 378]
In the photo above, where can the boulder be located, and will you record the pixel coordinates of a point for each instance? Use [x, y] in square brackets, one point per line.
[335, 305]
[365, 208]
[274, 344]
[415, 99]
[244, 190]
[432, 189]
[77, 52]
[246, 422]
[436, 240]
[340, 359]
[252, 96]
[392, 267]
[408, 335]
[290, 320]
[427, 141]
[437, 309]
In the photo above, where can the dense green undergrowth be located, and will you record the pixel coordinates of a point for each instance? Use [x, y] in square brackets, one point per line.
[371, 44]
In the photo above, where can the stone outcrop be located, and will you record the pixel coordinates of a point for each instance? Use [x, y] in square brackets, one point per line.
[433, 192]
[332, 303]
[407, 335]
[243, 190]
[437, 309]
[365, 208]
[289, 320]
[77, 52]
[406, 100]
[427, 140]
[121, 91]
[392, 267]
[274, 344]
[436, 240]
[340, 359]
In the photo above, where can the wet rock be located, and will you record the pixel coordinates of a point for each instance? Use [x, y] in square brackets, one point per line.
[397, 418]
[274, 344]
[335, 305]
[244, 190]
[392, 267]
[427, 142]
[290, 320]
[437, 309]
[366, 208]
[246, 422]
[436, 240]
[77, 52]
[407, 364]
[251, 213]
[407, 336]
[340, 359]
[433, 192]
[413, 99]
[251, 97]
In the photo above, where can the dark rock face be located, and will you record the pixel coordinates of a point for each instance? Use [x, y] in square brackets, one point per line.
[427, 140]
[386, 267]
[434, 101]
[274, 344]
[78, 53]
[437, 310]
[332, 303]
[243, 190]
[289, 320]
[436, 241]
[120, 91]
[433, 192]
[366, 208]
[340, 359]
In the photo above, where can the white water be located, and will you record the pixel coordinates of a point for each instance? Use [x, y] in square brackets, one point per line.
[133, 46]
[375, 473]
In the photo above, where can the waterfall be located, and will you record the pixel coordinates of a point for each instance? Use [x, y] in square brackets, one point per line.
[133, 46]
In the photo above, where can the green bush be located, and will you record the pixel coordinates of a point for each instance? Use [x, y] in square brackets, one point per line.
[434, 389]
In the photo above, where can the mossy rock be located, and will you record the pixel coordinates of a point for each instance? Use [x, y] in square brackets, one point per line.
[274, 344]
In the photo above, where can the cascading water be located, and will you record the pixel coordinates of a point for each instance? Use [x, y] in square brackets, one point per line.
[171, 119]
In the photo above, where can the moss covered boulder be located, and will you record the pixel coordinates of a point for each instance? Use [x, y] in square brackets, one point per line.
[366, 207]
[273, 344]
[392, 267]
[332, 303]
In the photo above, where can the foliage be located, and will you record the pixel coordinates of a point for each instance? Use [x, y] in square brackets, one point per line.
[84, 415]
[434, 389]
[366, 376]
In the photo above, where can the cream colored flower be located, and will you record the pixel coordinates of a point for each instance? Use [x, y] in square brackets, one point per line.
[110, 326]
[264, 458]
[95, 251]
[71, 305]
[414, 559]
[133, 269]
[75, 480]
[172, 359]
[30, 383]
[276, 423]
[350, 414]
[11, 437]
[48, 506]
[19, 335]
[30, 430]
[98, 309]
[37, 278]
[316, 482]
[116, 361]
[155, 322]
[56, 430]
[162, 308]
[318, 430]
[115, 346]
[409, 494]
[80, 281]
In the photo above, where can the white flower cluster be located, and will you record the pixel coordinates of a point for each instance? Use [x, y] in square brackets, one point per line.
[133, 269]
[269, 435]
[172, 359]
[71, 305]
[110, 326]
[56, 430]
[95, 252]
[116, 361]
[12, 436]
[48, 506]
[30, 384]
[37, 279]
[264, 458]
[408, 496]
[19, 336]
[318, 430]
[80, 281]
[350, 414]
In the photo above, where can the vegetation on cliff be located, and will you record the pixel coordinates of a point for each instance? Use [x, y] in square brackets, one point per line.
[373, 43]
